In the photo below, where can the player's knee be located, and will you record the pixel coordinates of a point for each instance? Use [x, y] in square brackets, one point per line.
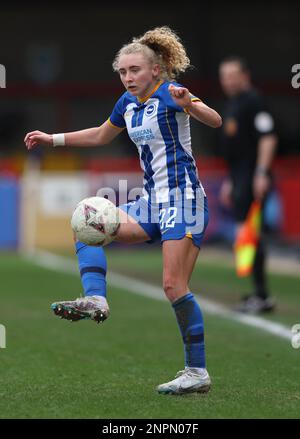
[172, 288]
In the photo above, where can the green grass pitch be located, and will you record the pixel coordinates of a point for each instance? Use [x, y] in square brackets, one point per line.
[52, 368]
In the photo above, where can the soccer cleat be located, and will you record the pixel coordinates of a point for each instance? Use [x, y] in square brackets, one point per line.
[89, 307]
[187, 381]
[255, 305]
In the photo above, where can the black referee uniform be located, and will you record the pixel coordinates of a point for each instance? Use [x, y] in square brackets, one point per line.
[245, 120]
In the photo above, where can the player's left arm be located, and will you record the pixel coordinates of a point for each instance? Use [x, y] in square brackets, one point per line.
[196, 108]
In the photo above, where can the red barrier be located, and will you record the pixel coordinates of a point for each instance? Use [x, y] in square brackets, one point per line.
[289, 190]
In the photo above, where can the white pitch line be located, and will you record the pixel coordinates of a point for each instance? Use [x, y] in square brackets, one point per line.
[68, 265]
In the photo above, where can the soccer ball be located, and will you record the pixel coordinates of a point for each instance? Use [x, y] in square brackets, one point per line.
[95, 221]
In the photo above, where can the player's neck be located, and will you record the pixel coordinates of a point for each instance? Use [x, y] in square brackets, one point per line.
[150, 91]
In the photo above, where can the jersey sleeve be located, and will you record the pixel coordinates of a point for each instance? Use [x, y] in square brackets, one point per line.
[116, 118]
[263, 121]
[193, 99]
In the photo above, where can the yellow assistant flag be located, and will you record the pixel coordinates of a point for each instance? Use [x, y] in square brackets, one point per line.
[246, 240]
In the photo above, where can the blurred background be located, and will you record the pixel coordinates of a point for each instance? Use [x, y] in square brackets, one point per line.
[59, 78]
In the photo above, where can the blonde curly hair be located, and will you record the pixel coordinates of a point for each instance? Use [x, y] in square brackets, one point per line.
[160, 45]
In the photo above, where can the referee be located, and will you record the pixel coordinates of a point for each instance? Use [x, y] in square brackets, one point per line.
[248, 143]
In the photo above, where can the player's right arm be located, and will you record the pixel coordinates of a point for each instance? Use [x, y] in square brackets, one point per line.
[96, 136]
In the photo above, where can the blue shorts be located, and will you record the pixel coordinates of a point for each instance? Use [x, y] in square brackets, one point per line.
[174, 219]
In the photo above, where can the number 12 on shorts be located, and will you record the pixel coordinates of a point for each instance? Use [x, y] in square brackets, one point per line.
[167, 217]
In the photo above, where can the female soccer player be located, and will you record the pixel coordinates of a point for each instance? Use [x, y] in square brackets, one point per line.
[155, 110]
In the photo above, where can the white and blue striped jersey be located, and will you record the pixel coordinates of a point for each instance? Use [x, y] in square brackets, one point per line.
[161, 131]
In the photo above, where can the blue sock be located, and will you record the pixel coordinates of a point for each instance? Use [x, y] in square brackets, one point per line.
[190, 322]
[92, 267]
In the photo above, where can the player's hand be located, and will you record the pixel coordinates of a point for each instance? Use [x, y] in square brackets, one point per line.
[35, 138]
[261, 185]
[180, 95]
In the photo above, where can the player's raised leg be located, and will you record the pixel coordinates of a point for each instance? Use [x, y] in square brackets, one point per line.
[130, 231]
[179, 257]
[92, 267]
